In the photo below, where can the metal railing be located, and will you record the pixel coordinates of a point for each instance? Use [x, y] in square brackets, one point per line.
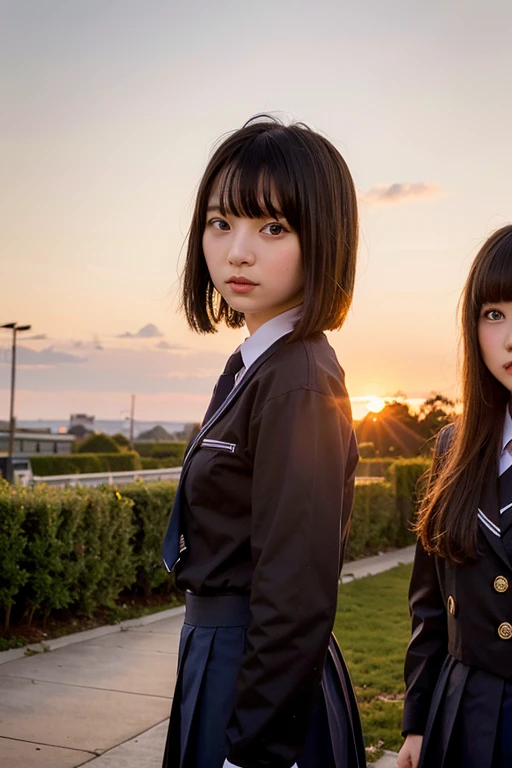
[108, 478]
[123, 478]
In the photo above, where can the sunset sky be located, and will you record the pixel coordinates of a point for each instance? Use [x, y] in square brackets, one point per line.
[110, 109]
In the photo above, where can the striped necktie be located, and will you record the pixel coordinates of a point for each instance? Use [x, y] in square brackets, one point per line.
[505, 494]
[225, 384]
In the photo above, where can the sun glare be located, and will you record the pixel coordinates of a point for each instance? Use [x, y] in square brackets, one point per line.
[375, 404]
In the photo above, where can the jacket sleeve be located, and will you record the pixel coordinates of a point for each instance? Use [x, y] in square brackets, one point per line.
[429, 642]
[301, 444]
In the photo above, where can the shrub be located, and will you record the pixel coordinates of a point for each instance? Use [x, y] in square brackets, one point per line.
[367, 450]
[152, 505]
[79, 548]
[83, 463]
[121, 440]
[76, 549]
[172, 451]
[374, 467]
[12, 573]
[155, 463]
[405, 475]
[106, 534]
[375, 523]
[98, 444]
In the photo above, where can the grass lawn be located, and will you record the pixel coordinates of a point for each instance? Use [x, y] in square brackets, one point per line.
[373, 628]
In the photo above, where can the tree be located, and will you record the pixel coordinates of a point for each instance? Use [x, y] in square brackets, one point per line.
[436, 412]
[121, 440]
[99, 443]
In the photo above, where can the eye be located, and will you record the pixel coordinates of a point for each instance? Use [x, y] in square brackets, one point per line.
[220, 224]
[274, 229]
[494, 314]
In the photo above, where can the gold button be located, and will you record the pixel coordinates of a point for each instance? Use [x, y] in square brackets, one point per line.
[450, 604]
[505, 631]
[500, 584]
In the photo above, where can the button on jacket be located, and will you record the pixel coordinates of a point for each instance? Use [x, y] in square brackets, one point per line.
[463, 610]
[265, 508]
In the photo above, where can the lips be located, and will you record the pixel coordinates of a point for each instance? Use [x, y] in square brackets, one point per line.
[508, 368]
[240, 284]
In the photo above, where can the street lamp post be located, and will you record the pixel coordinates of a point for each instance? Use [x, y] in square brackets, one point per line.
[15, 328]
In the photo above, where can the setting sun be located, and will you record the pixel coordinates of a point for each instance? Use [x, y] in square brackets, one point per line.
[375, 404]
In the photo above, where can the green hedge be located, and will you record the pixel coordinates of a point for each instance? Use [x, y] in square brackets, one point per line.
[80, 548]
[83, 463]
[65, 548]
[374, 525]
[407, 478]
[152, 505]
[159, 463]
[173, 451]
[374, 467]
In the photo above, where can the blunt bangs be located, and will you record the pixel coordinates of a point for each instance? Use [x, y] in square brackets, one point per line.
[493, 276]
[265, 169]
[257, 183]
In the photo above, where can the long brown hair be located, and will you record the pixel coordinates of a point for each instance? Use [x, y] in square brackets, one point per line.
[447, 521]
[258, 166]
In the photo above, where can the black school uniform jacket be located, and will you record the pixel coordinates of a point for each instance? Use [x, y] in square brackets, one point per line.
[463, 610]
[266, 506]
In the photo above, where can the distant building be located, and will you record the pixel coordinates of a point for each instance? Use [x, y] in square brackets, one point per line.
[29, 443]
[82, 420]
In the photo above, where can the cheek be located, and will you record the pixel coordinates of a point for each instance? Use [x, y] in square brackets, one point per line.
[292, 266]
[488, 340]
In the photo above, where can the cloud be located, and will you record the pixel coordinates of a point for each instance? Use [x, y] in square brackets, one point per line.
[38, 337]
[48, 356]
[149, 331]
[393, 194]
[165, 345]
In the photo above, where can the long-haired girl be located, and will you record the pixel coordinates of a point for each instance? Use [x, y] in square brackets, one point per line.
[263, 507]
[458, 670]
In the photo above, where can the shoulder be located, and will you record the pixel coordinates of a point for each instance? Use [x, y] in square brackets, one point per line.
[305, 364]
[444, 439]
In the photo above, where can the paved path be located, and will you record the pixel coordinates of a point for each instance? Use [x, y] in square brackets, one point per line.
[103, 696]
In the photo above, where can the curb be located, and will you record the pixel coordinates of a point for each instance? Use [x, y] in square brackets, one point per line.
[88, 634]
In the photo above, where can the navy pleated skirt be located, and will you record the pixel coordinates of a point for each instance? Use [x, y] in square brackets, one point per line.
[212, 646]
[470, 720]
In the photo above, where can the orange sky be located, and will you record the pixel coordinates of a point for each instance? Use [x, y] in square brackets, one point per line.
[111, 110]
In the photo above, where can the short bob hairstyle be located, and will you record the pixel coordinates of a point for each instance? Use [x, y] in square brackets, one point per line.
[267, 165]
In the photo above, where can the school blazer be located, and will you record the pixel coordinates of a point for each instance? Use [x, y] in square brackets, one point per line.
[266, 501]
[464, 610]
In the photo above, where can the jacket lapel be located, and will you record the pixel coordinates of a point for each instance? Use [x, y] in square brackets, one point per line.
[489, 519]
[231, 399]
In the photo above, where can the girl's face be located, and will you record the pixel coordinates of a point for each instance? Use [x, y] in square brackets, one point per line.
[495, 339]
[255, 264]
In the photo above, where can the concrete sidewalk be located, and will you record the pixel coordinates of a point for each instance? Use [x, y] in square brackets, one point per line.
[103, 696]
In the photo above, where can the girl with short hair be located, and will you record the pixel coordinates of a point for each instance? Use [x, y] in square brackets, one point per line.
[262, 512]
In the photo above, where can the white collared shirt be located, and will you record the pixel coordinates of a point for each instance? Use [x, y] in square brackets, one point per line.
[506, 443]
[266, 335]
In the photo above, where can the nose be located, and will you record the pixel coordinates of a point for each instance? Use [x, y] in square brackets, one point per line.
[241, 247]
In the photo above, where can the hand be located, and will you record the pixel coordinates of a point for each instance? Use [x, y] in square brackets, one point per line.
[409, 755]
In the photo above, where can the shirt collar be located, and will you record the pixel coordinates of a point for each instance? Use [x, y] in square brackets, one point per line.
[270, 332]
[507, 429]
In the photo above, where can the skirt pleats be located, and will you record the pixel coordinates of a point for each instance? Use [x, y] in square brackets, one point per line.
[208, 665]
[465, 719]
